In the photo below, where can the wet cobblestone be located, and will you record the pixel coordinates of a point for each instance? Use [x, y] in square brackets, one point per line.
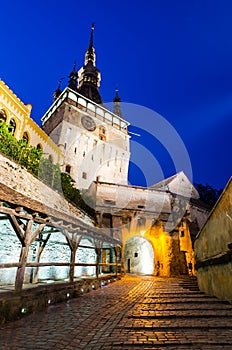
[134, 313]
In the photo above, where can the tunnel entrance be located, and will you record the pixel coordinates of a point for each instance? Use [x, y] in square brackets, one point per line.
[139, 256]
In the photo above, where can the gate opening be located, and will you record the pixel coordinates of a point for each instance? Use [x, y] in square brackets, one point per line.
[139, 256]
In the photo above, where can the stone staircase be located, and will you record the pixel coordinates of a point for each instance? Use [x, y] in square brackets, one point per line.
[175, 314]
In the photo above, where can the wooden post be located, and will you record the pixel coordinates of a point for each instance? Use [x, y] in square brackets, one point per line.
[98, 248]
[42, 245]
[116, 258]
[73, 243]
[26, 237]
[98, 252]
[23, 257]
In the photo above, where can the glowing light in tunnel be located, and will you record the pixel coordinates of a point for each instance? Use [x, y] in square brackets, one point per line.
[139, 256]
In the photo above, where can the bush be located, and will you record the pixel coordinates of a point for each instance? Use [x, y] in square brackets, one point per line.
[31, 158]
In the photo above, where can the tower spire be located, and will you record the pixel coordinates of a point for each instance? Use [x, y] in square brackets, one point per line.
[90, 56]
[91, 36]
[89, 75]
[117, 104]
[58, 91]
[73, 78]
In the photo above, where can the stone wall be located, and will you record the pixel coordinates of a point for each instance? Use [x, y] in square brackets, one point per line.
[213, 249]
[16, 305]
[17, 178]
[22, 189]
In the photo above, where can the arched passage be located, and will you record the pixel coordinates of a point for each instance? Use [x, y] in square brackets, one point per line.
[139, 256]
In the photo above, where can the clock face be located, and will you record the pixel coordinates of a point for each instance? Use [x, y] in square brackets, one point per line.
[88, 123]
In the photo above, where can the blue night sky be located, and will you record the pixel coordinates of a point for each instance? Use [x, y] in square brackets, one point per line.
[173, 57]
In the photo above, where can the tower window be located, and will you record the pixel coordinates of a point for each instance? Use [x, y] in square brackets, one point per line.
[68, 169]
[75, 150]
[102, 133]
[84, 175]
[102, 137]
[39, 146]
[181, 233]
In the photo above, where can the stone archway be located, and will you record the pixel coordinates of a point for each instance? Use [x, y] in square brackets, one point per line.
[139, 256]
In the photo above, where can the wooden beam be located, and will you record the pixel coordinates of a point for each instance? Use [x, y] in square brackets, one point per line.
[37, 232]
[42, 245]
[17, 228]
[23, 256]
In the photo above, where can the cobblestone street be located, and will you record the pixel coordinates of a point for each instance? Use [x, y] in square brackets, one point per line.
[134, 313]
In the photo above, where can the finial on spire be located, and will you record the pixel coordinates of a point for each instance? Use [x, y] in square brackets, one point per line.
[117, 98]
[91, 36]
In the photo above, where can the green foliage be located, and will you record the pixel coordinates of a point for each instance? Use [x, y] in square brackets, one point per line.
[73, 194]
[19, 151]
[208, 194]
[31, 158]
[50, 174]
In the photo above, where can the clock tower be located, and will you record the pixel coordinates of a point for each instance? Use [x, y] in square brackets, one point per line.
[94, 140]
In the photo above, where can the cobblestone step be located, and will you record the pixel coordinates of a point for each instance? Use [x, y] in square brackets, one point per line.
[136, 313]
[183, 305]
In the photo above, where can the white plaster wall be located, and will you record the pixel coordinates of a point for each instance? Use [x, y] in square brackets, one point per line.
[86, 153]
[132, 197]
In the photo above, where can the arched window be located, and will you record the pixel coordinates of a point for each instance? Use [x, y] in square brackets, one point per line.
[26, 136]
[39, 146]
[3, 115]
[12, 126]
[68, 169]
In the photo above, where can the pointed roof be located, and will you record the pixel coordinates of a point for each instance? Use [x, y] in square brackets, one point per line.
[177, 184]
[73, 78]
[117, 104]
[90, 52]
[89, 75]
[58, 91]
